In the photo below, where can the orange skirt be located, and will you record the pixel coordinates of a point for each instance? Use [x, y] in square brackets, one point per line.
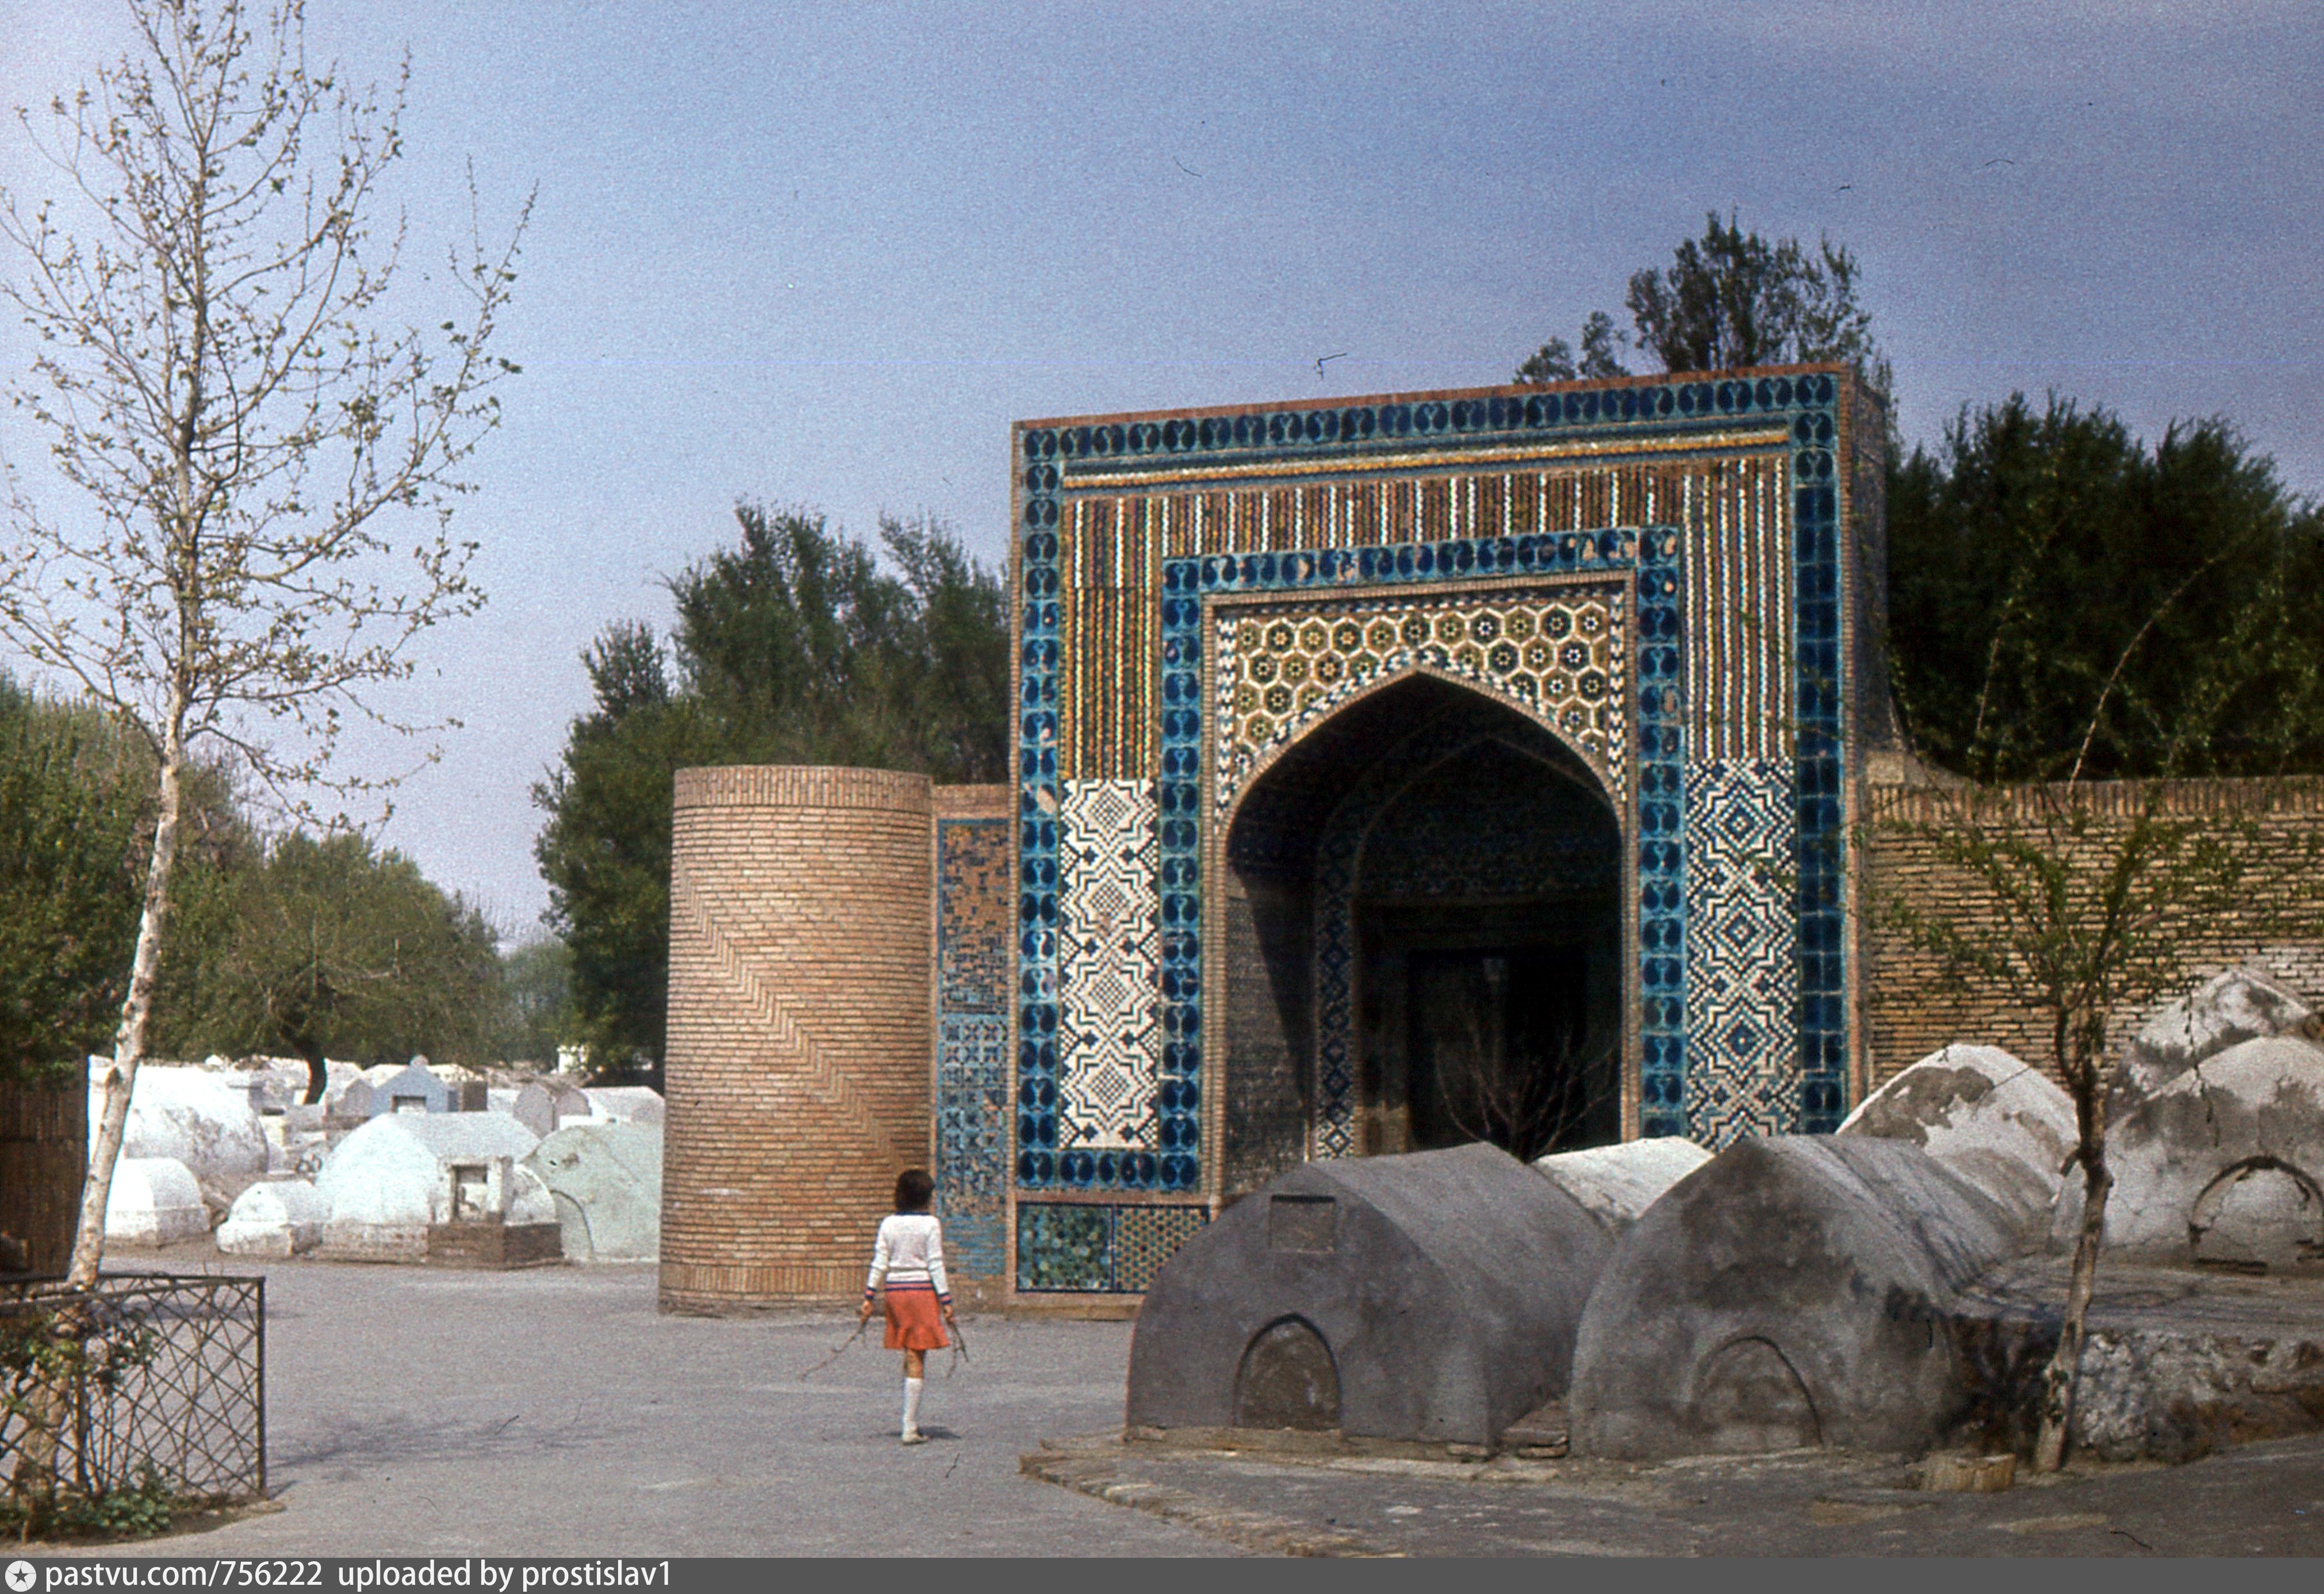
[915, 1321]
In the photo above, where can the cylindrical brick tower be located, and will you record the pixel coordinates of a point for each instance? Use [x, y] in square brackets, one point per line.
[799, 1025]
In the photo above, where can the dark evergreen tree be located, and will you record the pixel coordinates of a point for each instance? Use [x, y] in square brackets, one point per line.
[72, 794]
[799, 645]
[2030, 550]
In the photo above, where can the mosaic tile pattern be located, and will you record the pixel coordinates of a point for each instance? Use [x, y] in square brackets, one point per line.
[1144, 1238]
[1109, 996]
[1092, 1249]
[1037, 628]
[1662, 842]
[1559, 656]
[1739, 677]
[1106, 694]
[1743, 1075]
[973, 962]
[1065, 1247]
[1262, 527]
[972, 1085]
[973, 1141]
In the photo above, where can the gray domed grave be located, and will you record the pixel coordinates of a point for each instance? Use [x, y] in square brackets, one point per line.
[1793, 1291]
[1432, 1297]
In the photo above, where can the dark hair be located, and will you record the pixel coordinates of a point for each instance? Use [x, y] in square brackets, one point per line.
[913, 1189]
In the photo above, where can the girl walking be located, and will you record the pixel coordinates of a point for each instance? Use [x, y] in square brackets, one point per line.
[908, 1259]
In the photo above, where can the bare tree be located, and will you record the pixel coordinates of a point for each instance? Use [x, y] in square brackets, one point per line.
[267, 463]
[2085, 892]
[1525, 1098]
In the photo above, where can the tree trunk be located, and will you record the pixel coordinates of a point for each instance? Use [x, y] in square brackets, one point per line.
[2059, 1378]
[137, 1008]
[319, 1077]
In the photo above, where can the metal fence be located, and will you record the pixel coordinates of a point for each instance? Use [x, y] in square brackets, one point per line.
[185, 1392]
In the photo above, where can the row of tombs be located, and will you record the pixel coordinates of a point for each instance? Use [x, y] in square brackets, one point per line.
[1894, 1286]
[396, 1163]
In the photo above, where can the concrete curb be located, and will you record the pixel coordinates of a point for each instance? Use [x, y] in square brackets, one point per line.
[1094, 1466]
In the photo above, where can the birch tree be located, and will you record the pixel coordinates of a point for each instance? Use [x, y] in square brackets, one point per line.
[267, 458]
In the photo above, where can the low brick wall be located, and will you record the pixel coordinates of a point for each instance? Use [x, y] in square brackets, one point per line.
[1911, 1012]
[494, 1245]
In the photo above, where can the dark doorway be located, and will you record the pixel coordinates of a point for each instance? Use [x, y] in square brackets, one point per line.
[1498, 1041]
[1422, 928]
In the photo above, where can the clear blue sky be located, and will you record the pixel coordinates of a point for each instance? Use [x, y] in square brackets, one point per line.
[825, 253]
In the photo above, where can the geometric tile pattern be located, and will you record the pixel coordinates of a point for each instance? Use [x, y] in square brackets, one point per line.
[1646, 563]
[1794, 688]
[1560, 657]
[972, 1141]
[973, 1074]
[1144, 1238]
[1109, 990]
[1099, 1249]
[1743, 1075]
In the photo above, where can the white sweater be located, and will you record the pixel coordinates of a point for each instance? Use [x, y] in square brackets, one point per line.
[910, 1250]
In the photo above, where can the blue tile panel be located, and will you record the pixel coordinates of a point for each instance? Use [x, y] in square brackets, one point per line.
[972, 965]
[1646, 558]
[1647, 564]
[1822, 691]
[1093, 1249]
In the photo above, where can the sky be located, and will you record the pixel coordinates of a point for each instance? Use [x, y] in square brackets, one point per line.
[824, 255]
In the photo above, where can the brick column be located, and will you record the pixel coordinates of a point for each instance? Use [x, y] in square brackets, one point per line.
[799, 1023]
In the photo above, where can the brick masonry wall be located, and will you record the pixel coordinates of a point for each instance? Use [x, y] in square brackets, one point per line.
[1910, 1013]
[799, 1024]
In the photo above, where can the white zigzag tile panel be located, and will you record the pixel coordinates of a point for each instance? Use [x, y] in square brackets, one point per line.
[1742, 1038]
[1110, 1001]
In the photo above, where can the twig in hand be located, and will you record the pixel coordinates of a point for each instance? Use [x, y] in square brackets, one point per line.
[861, 1324]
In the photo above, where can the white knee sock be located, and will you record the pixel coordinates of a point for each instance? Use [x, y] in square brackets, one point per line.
[911, 1406]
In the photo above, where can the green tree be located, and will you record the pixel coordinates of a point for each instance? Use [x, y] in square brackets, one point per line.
[70, 797]
[605, 848]
[2094, 645]
[2032, 549]
[75, 809]
[266, 462]
[798, 645]
[538, 977]
[1728, 300]
[328, 947]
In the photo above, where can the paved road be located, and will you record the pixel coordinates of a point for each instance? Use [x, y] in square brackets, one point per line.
[555, 1413]
[416, 1411]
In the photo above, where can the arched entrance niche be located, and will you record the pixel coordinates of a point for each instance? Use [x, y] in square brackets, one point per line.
[1423, 939]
